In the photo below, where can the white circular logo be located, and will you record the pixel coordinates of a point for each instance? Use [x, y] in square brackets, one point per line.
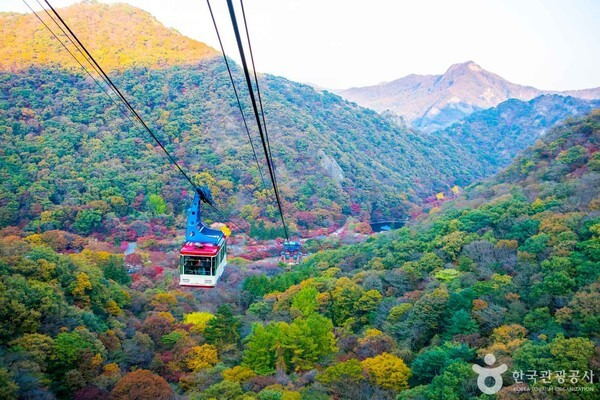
[494, 373]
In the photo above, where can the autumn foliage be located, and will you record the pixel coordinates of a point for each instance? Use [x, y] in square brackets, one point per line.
[142, 385]
[507, 266]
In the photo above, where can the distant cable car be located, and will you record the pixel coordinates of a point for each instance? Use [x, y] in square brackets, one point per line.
[203, 257]
[292, 252]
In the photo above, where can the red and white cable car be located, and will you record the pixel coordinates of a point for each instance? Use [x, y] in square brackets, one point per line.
[203, 257]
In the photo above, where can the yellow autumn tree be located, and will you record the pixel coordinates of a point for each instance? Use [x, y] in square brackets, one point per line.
[372, 332]
[226, 231]
[388, 371]
[34, 239]
[163, 301]
[96, 257]
[111, 369]
[113, 308]
[198, 319]
[81, 285]
[201, 357]
[290, 395]
[239, 373]
[506, 339]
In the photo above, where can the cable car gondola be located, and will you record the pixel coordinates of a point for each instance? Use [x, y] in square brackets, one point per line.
[203, 256]
[291, 253]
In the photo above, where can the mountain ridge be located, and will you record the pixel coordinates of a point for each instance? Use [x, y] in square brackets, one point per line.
[433, 102]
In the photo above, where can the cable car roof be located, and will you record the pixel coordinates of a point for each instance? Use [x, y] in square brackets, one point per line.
[291, 246]
[199, 249]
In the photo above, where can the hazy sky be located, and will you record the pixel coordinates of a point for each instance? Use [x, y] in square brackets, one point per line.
[549, 44]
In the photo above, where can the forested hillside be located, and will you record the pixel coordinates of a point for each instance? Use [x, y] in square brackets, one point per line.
[120, 36]
[493, 137]
[510, 267]
[72, 161]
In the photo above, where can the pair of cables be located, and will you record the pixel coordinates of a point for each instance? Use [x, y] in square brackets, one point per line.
[257, 106]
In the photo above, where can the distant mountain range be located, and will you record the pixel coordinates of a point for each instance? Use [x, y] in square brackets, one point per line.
[431, 102]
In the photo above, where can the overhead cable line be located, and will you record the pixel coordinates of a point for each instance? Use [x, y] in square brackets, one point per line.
[69, 38]
[130, 107]
[117, 105]
[260, 103]
[256, 113]
[71, 53]
[236, 94]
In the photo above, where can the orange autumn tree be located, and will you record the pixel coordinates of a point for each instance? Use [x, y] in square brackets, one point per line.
[141, 385]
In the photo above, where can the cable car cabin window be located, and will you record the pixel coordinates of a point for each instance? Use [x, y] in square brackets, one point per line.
[223, 252]
[219, 258]
[198, 265]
